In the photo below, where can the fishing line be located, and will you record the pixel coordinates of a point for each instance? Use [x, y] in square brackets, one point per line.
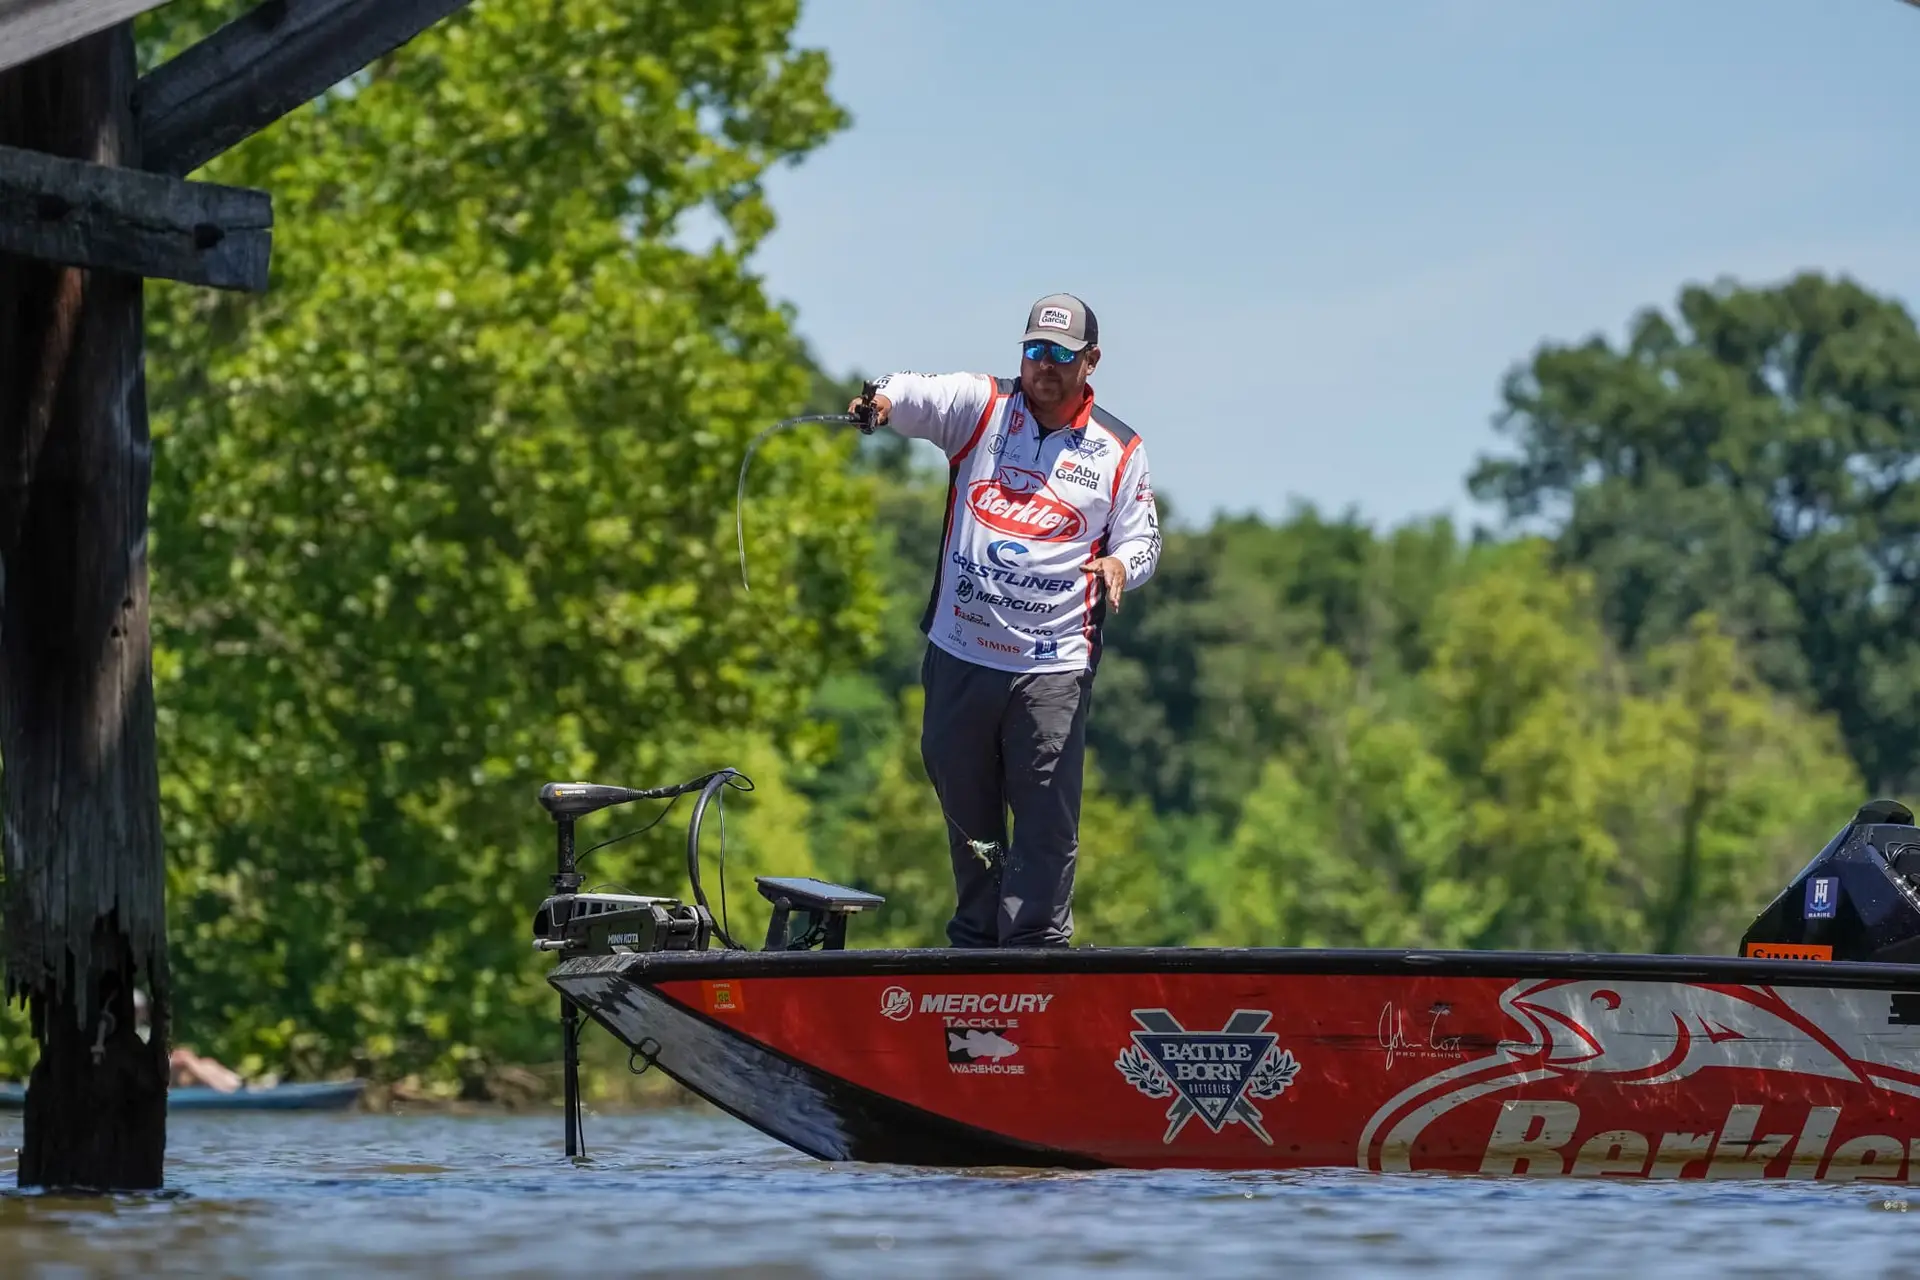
[984, 850]
[863, 420]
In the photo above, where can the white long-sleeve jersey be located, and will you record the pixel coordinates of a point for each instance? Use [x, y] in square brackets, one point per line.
[1026, 511]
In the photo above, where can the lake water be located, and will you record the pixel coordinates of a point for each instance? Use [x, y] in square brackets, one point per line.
[689, 1192]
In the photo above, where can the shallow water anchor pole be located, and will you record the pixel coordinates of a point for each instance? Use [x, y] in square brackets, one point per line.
[566, 879]
[570, 1036]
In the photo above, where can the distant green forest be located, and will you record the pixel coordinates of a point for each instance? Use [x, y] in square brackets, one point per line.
[449, 513]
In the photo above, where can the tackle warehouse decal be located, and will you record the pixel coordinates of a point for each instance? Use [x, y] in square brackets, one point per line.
[981, 1049]
[1210, 1074]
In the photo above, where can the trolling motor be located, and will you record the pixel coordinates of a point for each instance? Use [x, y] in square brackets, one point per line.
[1859, 899]
[573, 924]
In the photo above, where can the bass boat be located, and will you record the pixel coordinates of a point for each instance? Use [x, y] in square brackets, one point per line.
[1797, 1058]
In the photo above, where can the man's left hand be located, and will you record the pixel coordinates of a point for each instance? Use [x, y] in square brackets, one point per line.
[1113, 574]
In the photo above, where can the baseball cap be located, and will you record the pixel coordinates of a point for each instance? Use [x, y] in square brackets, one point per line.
[1063, 318]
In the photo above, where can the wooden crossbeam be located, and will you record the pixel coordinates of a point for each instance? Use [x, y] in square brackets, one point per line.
[145, 224]
[262, 65]
[29, 28]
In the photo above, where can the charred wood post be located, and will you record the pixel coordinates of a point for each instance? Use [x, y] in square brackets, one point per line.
[80, 230]
[84, 905]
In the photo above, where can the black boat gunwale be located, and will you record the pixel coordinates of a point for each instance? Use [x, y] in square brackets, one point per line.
[670, 966]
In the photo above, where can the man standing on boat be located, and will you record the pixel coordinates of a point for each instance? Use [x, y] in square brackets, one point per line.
[1050, 519]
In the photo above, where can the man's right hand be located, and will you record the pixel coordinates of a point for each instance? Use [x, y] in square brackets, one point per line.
[882, 407]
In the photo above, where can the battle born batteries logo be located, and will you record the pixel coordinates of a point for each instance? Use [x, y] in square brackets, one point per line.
[1210, 1074]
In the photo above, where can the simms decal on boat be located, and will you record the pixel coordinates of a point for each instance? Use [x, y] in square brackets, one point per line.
[1210, 1074]
[897, 1003]
[1789, 951]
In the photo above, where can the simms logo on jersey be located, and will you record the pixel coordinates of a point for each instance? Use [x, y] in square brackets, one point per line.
[1019, 502]
[1056, 318]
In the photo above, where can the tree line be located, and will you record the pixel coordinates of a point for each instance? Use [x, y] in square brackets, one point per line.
[449, 513]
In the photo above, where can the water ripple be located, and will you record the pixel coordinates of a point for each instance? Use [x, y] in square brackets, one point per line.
[691, 1193]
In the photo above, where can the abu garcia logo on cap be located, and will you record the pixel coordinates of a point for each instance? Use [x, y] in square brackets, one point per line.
[1056, 318]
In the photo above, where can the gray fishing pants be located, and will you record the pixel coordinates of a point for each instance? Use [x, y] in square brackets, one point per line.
[998, 740]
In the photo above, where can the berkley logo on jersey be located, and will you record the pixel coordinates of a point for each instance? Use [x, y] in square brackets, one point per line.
[1018, 501]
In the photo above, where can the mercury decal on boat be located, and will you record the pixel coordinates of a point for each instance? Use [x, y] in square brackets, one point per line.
[1210, 1074]
[897, 1002]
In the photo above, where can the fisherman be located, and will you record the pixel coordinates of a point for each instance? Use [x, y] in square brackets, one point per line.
[1050, 520]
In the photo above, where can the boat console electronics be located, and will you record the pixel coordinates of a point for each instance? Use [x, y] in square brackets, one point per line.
[1859, 899]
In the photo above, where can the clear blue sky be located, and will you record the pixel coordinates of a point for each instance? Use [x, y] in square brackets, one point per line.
[1318, 234]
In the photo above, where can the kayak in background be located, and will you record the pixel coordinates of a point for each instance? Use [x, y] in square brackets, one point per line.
[332, 1095]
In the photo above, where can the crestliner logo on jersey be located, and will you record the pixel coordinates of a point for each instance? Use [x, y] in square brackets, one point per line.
[1013, 581]
[1210, 1074]
[1001, 552]
[1018, 501]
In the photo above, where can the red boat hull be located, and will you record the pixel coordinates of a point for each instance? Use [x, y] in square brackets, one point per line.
[1387, 1062]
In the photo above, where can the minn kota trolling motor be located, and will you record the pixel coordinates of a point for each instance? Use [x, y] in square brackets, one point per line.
[576, 924]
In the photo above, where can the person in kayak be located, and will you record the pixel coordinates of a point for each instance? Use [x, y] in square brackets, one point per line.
[184, 1066]
[1050, 520]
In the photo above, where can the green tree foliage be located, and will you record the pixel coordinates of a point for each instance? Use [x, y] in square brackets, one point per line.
[448, 513]
[1754, 454]
[1526, 789]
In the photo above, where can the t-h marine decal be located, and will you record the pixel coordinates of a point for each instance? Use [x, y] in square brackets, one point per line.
[1823, 897]
[1211, 1074]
